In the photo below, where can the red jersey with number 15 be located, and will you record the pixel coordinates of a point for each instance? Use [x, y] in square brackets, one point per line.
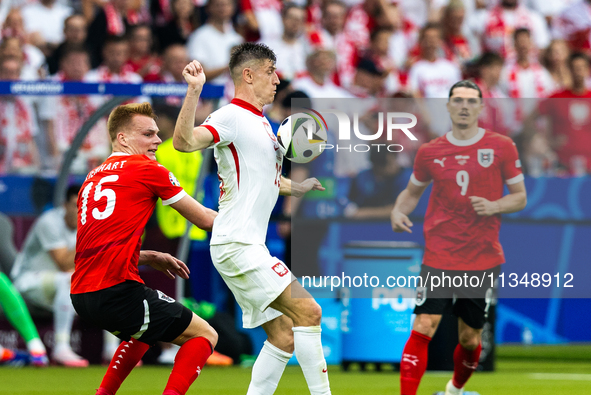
[456, 238]
[114, 205]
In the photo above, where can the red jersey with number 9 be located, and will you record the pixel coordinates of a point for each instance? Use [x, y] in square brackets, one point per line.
[114, 205]
[456, 238]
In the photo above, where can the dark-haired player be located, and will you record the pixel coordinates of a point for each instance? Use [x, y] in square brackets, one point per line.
[469, 167]
[114, 204]
[249, 168]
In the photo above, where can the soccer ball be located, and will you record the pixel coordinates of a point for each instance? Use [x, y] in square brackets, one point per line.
[293, 137]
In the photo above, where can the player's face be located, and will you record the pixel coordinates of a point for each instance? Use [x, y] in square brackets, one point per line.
[265, 82]
[141, 136]
[464, 107]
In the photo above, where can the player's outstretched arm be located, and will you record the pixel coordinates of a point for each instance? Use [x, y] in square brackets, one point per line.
[515, 201]
[165, 263]
[195, 212]
[298, 189]
[187, 137]
[405, 204]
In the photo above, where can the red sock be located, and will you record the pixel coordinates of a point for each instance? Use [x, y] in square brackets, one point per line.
[189, 361]
[414, 362]
[127, 356]
[465, 362]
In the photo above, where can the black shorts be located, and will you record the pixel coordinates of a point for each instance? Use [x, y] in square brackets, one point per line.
[132, 310]
[470, 303]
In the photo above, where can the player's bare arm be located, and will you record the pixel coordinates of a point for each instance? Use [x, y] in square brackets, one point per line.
[165, 263]
[187, 137]
[63, 258]
[515, 201]
[405, 204]
[195, 212]
[299, 189]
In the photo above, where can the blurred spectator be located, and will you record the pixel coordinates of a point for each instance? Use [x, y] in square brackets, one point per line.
[456, 46]
[550, 9]
[433, 75]
[332, 37]
[495, 115]
[114, 18]
[379, 53]
[141, 58]
[495, 27]
[365, 16]
[43, 269]
[18, 151]
[422, 12]
[569, 112]
[34, 61]
[66, 114]
[185, 19]
[574, 25]
[44, 22]
[75, 27]
[262, 19]
[316, 82]
[555, 60]
[211, 43]
[114, 67]
[404, 37]
[369, 79]
[290, 47]
[373, 191]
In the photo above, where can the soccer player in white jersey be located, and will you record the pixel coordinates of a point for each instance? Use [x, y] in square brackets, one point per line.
[249, 168]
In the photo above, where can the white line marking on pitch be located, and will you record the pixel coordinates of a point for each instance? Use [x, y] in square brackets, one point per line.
[561, 376]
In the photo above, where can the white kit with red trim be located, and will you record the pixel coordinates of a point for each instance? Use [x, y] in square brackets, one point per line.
[249, 168]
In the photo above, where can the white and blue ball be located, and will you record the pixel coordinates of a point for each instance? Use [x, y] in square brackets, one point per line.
[302, 137]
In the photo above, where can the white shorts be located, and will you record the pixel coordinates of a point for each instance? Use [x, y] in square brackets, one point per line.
[37, 288]
[255, 278]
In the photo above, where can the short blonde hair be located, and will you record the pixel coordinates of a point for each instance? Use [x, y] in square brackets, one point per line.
[122, 115]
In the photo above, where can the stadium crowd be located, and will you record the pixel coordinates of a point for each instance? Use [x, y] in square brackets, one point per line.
[520, 52]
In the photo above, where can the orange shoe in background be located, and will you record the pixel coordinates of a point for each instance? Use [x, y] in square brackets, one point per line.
[217, 359]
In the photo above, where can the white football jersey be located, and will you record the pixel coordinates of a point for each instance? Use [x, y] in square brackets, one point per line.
[249, 169]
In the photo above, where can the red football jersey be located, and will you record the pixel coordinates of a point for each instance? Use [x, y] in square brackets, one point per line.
[114, 204]
[456, 237]
[571, 121]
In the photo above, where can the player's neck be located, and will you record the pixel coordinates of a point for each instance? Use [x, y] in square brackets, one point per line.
[464, 134]
[249, 97]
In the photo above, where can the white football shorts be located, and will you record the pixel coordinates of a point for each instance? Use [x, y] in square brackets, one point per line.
[255, 278]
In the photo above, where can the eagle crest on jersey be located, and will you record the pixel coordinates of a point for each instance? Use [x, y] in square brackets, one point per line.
[486, 156]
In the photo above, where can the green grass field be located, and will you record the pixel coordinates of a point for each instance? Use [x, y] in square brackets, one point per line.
[534, 370]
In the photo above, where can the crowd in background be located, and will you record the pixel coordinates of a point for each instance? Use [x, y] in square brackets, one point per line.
[514, 49]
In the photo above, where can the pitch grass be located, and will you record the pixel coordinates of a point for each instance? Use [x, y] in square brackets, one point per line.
[534, 370]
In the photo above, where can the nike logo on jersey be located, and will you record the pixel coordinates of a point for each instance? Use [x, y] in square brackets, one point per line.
[440, 161]
[462, 159]
[324, 370]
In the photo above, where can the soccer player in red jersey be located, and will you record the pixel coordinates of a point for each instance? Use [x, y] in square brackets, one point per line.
[114, 204]
[468, 167]
[569, 112]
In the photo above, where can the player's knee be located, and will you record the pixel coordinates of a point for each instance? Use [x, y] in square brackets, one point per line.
[469, 340]
[211, 335]
[314, 313]
[426, 324]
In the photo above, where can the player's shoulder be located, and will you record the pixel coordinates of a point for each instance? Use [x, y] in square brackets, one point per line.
[495, 138]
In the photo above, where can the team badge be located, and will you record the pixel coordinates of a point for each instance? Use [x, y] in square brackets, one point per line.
[164, 297]
[280, 269]
[421, 296]
[173, 180]
[486, 157]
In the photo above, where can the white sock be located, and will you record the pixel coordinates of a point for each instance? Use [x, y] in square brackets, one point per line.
[308, 350]
[267, 370]
[36, 346]
[63, 311]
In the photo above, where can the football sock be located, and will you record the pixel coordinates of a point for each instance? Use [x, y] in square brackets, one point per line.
[308, 350]
[18, 315]
[267, 370]
[63, 311]
[414, 362]
[126, 357]
[189, 361]
[465, 363]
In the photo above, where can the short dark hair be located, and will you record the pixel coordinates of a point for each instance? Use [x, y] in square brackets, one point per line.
[70, 49]
[72, 191]
[521, 30]
[465, 84]
[578, 55]
[246, 52]
[429, 26]
[490, 59]
[112, 39]
[288, 6]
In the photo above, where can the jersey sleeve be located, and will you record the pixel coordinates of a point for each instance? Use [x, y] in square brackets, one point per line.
[511, 165]
[221, 124]
[421, 176]
[163, 183]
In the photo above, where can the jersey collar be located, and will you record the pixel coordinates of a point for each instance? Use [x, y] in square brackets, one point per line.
[119, 153]
[465, 143]
[247, 106]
